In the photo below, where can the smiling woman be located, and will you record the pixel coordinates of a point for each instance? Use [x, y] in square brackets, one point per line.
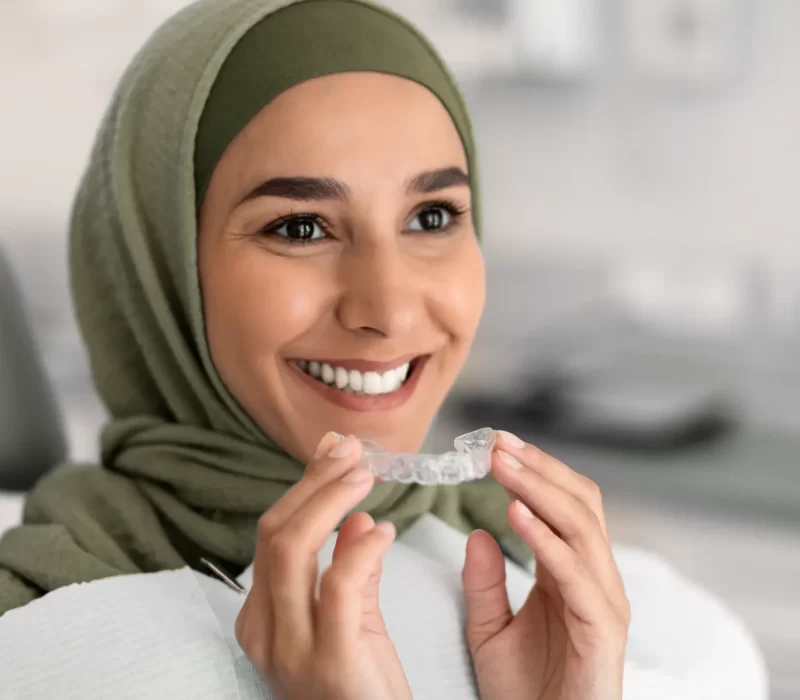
[343, 291]
[276, 240]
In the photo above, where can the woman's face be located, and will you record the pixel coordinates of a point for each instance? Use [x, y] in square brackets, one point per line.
[342, 281]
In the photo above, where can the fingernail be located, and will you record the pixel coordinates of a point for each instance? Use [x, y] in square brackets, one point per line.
[343, 449]
[324, 444]
[385, 528]
[358, 474]
[524, 511]
[508, 460]
[510, 439]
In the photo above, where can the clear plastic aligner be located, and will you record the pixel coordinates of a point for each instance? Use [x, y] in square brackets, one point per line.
[471, 461]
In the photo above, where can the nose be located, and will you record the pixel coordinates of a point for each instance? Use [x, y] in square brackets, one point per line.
[380, 292]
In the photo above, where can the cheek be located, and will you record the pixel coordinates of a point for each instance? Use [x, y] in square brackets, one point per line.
[459, 294]
[258, 303]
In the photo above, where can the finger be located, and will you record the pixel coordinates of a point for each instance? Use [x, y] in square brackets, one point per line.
[253, 629]
[291, 553]
[313, 522]
[558, 473]
[582, 594]
[343, 457]
[569, 517]
[485, 595]
[339, 613]
[353, 528]
[581, 487]
[351, 531]
[332, 459]
[572, 519]
[327, 442]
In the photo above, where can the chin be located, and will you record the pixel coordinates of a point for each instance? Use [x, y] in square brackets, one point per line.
[395, 436]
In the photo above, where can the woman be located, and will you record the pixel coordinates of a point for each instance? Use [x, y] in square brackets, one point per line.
[276, 238]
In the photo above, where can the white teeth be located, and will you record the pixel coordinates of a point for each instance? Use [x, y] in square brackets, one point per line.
[389, 382]
[356, 380]
[372, 383]
[342, 378]
[353, 381]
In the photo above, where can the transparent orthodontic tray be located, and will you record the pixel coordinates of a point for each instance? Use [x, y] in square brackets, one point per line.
[470, 461]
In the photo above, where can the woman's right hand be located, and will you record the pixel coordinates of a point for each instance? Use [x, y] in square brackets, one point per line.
[334, 645]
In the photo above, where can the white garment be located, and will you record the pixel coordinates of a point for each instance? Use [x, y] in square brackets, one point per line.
[170, 634]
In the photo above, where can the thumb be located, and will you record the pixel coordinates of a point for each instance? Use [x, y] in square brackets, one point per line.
[484, 581]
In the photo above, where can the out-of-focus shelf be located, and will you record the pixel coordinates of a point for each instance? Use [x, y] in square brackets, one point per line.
[749, 473]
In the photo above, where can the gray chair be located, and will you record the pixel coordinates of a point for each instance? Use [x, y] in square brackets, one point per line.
[32, 439]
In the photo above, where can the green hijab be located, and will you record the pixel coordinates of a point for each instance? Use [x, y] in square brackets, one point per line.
[185, 472]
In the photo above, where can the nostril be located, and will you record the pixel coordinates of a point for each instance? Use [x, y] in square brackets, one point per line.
[369, 330]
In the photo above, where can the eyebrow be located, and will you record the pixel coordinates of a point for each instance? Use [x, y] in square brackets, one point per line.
[301, 189]
[435, 180]
[327, 188]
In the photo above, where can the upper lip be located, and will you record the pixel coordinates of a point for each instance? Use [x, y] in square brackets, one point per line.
[366, 365]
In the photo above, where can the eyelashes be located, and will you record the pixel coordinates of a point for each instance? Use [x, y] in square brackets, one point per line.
[295, 229]
[455, 210]
[304, 228]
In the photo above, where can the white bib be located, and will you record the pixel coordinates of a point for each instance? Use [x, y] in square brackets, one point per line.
[171, 634]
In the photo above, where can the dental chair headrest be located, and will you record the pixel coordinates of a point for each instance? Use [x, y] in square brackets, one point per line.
[32, 437]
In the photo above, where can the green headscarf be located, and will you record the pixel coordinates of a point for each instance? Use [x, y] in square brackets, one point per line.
[185, 472]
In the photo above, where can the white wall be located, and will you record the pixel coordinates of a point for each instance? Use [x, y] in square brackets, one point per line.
[609, 167]
[622, 167]
[59, 61]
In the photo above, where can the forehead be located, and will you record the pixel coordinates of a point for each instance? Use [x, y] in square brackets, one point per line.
[349, 122]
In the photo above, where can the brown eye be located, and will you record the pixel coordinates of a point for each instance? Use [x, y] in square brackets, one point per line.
[431, 219]
[301, 229]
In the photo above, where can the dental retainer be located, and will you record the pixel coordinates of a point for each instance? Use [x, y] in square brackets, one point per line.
[471, 461]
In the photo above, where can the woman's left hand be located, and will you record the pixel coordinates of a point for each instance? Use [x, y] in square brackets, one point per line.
[568, 640]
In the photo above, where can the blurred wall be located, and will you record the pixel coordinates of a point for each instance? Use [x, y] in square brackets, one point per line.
[622, 165]
[613, 165]
[59, 63]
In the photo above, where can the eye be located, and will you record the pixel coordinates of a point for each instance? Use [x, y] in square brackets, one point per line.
[299, 229]
[430, 219]
[433, 218]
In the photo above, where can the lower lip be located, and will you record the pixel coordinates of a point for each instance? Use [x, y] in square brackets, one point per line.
[365, 402]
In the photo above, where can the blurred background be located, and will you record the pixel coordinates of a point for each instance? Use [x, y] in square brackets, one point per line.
[641, 181]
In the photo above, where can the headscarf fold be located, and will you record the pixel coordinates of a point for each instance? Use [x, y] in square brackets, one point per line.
[185, 473]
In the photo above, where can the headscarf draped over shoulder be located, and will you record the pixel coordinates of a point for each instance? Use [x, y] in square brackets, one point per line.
[185, 473]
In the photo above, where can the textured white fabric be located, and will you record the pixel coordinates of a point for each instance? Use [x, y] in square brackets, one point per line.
[170, 635]
[142, 636]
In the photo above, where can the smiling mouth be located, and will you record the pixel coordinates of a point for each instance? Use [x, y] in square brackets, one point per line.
[359, 382]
